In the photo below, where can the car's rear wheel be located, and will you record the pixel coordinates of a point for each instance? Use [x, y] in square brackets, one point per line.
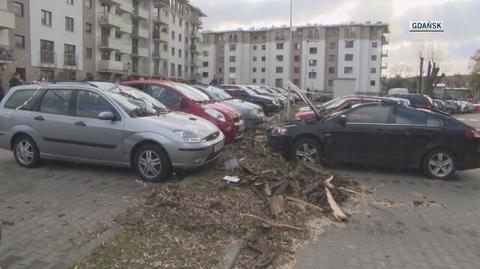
[440, 164]
[152, 163]
[26, 152]
[307, 150]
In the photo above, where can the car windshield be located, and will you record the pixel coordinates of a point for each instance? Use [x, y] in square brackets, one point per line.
[332, 104]
[217, 94]
[136, 103]
[192, 93]
[249, 91]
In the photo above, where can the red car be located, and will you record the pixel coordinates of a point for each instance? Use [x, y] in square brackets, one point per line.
[181, 97]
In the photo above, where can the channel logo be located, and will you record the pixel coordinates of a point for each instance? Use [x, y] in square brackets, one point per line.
[426, 27]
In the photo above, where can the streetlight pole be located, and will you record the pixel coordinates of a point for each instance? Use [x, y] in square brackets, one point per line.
[290, 76]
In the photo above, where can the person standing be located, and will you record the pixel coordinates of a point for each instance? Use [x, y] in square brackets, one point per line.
[16, 80]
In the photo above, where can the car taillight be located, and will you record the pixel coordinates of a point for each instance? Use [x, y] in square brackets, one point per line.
[472, 133]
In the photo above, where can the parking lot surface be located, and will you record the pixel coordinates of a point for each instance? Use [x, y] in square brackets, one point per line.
[51, 215]
[410, 222]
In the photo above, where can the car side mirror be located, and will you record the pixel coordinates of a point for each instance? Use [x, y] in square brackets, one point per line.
[106, 115]
[342, 120]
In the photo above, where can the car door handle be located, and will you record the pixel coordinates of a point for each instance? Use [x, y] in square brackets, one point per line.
[39, 118]
[80, 123]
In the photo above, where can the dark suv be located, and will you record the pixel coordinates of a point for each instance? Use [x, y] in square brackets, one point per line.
[416, 100]
[269, 104]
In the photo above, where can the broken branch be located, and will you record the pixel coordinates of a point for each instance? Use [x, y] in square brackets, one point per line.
[336, 210]
[269, 223]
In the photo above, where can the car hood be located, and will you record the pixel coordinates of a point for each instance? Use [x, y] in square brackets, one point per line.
[180, 121]
[222, 108]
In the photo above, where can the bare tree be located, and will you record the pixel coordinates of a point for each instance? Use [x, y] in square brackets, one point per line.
[430, 54]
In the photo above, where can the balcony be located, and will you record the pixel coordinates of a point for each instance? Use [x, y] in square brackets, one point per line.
[111, 66]
[160, 37]
[47, 58]
[125, 6]
[109, 19]
[139, 32]
[110, 43]
[7, 20]
[70, 60]
[140, 14]
[161, 3]
[7, 54]
[140, 52]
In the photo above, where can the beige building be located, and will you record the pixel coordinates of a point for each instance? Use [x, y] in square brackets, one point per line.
[318, 57]
[98, 39]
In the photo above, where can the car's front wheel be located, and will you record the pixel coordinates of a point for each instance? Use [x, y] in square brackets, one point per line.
[307, 150]
[152, 163]
[440, 164]
[26, 152]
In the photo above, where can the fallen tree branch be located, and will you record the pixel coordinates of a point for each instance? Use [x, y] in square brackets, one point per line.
[349, 190]
[336, 210]
[304, 203]
[327, 183]
[269, 223]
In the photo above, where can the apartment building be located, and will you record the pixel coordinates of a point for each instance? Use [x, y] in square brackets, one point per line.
[322, 58]
[99, 39]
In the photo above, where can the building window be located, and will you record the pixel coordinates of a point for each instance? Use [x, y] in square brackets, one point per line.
[88, 3]
[254, 58]
[88, 28]
[296, 82]
[296, 58]
[254, 70]
[69, 55]
[173, 51]
[47, 51]
[205, 64]
[172, 70]
[17, 9]
[312, 63]
[312, 74]
[332, 45]
[279, 83]
[89, 53]
[179, 53]
[20, 41]
[180, 37]
[205, 74]
[330, 82]
[46, 18]
[180, 72]
[254, 47]
[348, 57]
[374, 57]
[313, 50]
[262, 81]
[232, 59]
[263, 69]
[232, 70]
[373, 70]
[296, 70]
[233, 47]
[349, 44]
[374, 44]
[205, 53]
[331, 57]
[105, 55]
[372, 82]
[254, 81]
[279, 46]
[297, 46]
[180, 22]
[70, 2]
[69, 24]
[348, 70]
[264, 47]
[118, 57]
[279, 69]
[173, 35]
[173, 21]
[331, 70]
[263, 58]
[279, 58]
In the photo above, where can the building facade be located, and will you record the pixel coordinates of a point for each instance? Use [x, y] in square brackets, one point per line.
[319, 58]
[99, 39]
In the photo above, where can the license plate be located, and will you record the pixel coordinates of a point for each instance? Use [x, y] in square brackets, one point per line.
[217, 147]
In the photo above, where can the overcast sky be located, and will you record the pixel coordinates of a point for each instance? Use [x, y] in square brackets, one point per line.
[461, 19]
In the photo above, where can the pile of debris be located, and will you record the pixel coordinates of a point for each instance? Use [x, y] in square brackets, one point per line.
[251, 202]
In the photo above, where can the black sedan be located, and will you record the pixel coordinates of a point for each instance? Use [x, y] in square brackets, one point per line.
[385, 134]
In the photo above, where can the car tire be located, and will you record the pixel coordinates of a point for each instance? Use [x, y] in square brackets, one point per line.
[26, 152]
[439, 164]
[151, 163]
[307, 150]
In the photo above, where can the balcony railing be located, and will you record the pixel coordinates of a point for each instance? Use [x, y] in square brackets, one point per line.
[7, 54]
[160, 36]
[70, 59]
[161, 3]
[140, 13]
[47, 57]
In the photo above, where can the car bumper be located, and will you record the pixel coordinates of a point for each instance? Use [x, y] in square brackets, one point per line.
[194, 155]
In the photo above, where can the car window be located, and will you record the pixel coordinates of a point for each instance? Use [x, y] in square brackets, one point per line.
[21, 99]
[404, 115]
[369, 114]
[155, 91]
[90, 104]
[170, 99]
[56, 102]
[432, 121]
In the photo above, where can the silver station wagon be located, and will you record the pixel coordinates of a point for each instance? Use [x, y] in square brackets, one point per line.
[104, 123]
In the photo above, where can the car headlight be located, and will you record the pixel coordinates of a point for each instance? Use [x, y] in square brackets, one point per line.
[187, 136]
[217, 115]
[275, 102]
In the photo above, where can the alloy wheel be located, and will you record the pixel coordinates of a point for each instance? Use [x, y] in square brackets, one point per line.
[149, 164]
[25, 152]
[440, 164]
[307, 152]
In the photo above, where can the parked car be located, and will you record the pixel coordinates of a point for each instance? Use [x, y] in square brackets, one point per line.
[336, 105]
[103, 123]
[416, 100]
[382, 133]
[477, 108]
[252, 113]
[258, 90]
[451, 107]
[276, 93]
[181, 97]
[438, 104]
[270, 105]
[466, 107]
